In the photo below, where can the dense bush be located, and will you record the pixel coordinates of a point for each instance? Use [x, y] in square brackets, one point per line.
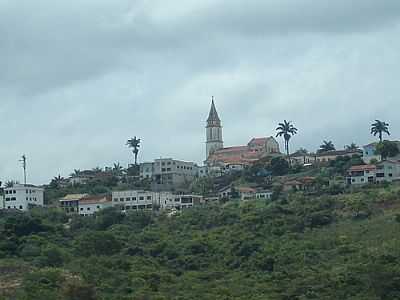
[328, 247]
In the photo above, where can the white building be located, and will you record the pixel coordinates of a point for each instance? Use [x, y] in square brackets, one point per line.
[134, 200]
[387, 170]
[168, 173]
[90, 205]
[170, 201]
[363, 174]
[23, 197]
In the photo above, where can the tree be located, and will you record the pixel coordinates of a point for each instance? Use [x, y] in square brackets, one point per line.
[352, 147]
[287, 130]
[387, 149]
[378, 128]
[56, 182]
[10, 183]
[326, 146]
[117, 169]
[135, 145]
[279, 166]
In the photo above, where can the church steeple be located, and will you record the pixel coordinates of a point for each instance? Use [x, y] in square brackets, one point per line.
[213, 117]
[213, 131]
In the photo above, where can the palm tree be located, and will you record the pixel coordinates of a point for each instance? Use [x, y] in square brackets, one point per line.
[117, 169]
[10, 183]
[378, 128]
[287, 130]
[326, 146]
[135, 145]
[352, 147]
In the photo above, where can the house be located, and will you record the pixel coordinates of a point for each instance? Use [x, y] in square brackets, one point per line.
[246, 193]
[369, 153]
[90, 205]
[169, 201]
[226, 192]
[361, 174]
[324, 157]
[250, 193]
[70, 203]
[292, 185]
[302, 158]
[387, 170]
[23, 197]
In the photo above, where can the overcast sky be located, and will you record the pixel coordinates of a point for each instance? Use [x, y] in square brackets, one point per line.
[80, 77]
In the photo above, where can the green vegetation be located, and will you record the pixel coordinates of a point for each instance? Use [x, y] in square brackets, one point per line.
[296, 247]
[387, 149]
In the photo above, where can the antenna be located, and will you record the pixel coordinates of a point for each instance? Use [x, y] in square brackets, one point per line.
[23, 160]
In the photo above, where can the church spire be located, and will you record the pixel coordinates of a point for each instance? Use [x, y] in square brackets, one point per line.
[213, 118]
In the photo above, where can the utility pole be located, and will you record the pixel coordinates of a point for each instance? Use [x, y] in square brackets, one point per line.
[23, 160]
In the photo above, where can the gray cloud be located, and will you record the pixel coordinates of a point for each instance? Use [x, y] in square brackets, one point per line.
[77, 79]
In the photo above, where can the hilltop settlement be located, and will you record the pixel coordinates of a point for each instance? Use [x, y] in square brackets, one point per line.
[256, 170]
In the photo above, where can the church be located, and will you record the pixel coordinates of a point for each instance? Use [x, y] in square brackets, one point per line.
[217, 155]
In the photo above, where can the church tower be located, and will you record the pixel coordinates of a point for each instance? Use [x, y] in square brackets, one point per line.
[213, 131]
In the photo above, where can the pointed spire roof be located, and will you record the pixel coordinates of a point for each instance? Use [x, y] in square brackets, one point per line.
[213, 116]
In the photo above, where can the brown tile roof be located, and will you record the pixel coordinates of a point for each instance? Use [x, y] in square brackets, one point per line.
[362, 168]
[73, 197]
[95, 199]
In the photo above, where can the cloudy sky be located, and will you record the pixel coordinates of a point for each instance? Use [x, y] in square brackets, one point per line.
[78, 78]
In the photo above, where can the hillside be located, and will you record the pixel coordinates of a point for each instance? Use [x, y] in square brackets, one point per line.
[298, 247]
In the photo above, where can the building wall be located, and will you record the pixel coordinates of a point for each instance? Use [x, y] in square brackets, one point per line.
[22, 197]
[134, 200]
[86, 209]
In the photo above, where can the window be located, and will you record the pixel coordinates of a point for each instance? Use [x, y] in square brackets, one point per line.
[168, 169]
[81, 208]
[390, 175]
[127, 207]
[116, 200]
[134, 199]
[134, 207]
[121, 200]
[149, 206]
[98, 206]
[163, 170]
[20, 207]
[141, 198]
[148, 197]
[128, 199]
[88, 208]
[380, 175]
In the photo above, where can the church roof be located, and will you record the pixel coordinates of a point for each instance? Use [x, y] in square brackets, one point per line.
[213, 115]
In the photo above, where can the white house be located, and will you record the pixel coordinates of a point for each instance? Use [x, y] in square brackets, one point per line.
[362, 174]
[23, 197]
[170, 201]
[90, 205]
[387, 170]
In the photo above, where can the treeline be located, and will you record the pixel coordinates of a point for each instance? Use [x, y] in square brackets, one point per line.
[327, 247]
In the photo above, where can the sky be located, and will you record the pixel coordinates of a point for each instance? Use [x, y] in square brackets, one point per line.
[78, 78]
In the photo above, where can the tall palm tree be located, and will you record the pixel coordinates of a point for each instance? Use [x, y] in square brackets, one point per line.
[286, 130]
[326, 146]
[378, 128]
[135, 145]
